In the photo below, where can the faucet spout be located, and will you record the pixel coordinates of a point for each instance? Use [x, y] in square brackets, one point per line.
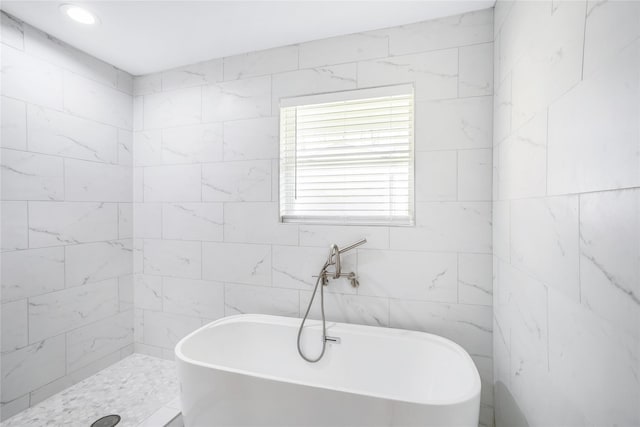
[334, 255]
[353, 245]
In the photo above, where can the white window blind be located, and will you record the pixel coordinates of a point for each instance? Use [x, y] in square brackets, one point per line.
[347, 157]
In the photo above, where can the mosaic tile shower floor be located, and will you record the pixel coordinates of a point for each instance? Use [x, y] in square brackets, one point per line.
[143, 390]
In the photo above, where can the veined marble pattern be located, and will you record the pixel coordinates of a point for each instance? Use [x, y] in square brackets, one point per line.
[208, 240]
[67, 306]
[134, 388]
[566, 213]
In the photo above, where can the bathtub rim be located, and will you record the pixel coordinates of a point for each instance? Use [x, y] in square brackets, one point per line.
[365, 329]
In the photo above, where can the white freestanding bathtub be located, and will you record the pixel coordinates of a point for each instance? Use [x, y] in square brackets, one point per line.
[245, 371]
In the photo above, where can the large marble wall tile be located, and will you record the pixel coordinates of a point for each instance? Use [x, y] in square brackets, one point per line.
[468, 325]
[233, 100]
[60, 223]
[17, 405]
[436, 175]
[239, 263]
[173, 108]
[166, 329]
[237, 181]
[459, 30]
[90, 181]
[124, 82]
[14, 124]
[138, 113]
[526, 24]
[28, 176]
[356, 309]
[32, 272]
[196, 298]
[393, 274]
[474, 175]
[14, 231]
[12, 31]
[260, 63]
[64, 310]
[147, 148]
[32, 367]
[15, 325]
[502, 110]
[342, 49]
[241, 299]
[192, 144]
[544, 241]
[86, 98]
[475, 279]
[257, 222]
[523, 161]
[138, 184]
[52, 132]
[582, 158]
[610, 26]
[125, 220]
[447, 226]
[610, 257]
[310, 81]
[192, 75]
[90, 343]
[542, 74]
[147, 220]
[43, 46]
[125, 147]
[172, 183]
[453, 124]
[30, 79]
[91, 262]
[501, 228]
[125, 293]
[149, 83]
[252, 139]
[476, 70]
[147, 292]
[192, 221]
[325, 235]
[298, 268]
[434, 74]
[580, 345]
[173, 258]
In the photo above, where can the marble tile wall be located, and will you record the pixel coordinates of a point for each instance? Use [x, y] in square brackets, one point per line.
[207, 242]
[67, 215]
[566, 213]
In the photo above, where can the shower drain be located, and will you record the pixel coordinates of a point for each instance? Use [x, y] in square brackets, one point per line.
[108, 421]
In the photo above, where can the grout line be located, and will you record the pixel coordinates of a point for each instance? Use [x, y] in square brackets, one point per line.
[584, 38]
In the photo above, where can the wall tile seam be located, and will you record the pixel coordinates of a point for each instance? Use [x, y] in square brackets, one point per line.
[309, 289]
[7, 301]
[63, 111]
[32, 392]
[64, 69]
[64, 333]
[157, 239]
[330, 64]
[572, 194]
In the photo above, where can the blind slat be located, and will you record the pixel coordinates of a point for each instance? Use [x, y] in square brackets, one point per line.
[350, 161]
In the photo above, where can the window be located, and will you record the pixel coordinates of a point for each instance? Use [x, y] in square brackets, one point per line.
[347, 157]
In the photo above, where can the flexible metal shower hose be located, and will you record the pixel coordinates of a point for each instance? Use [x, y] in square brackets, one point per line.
[324, 328]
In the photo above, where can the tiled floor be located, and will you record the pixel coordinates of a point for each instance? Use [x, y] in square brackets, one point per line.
[143, 390]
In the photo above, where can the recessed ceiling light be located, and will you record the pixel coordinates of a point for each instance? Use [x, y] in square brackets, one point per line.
[79, 14]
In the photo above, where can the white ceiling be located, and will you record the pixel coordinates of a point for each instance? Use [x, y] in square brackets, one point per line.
[142, 37]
